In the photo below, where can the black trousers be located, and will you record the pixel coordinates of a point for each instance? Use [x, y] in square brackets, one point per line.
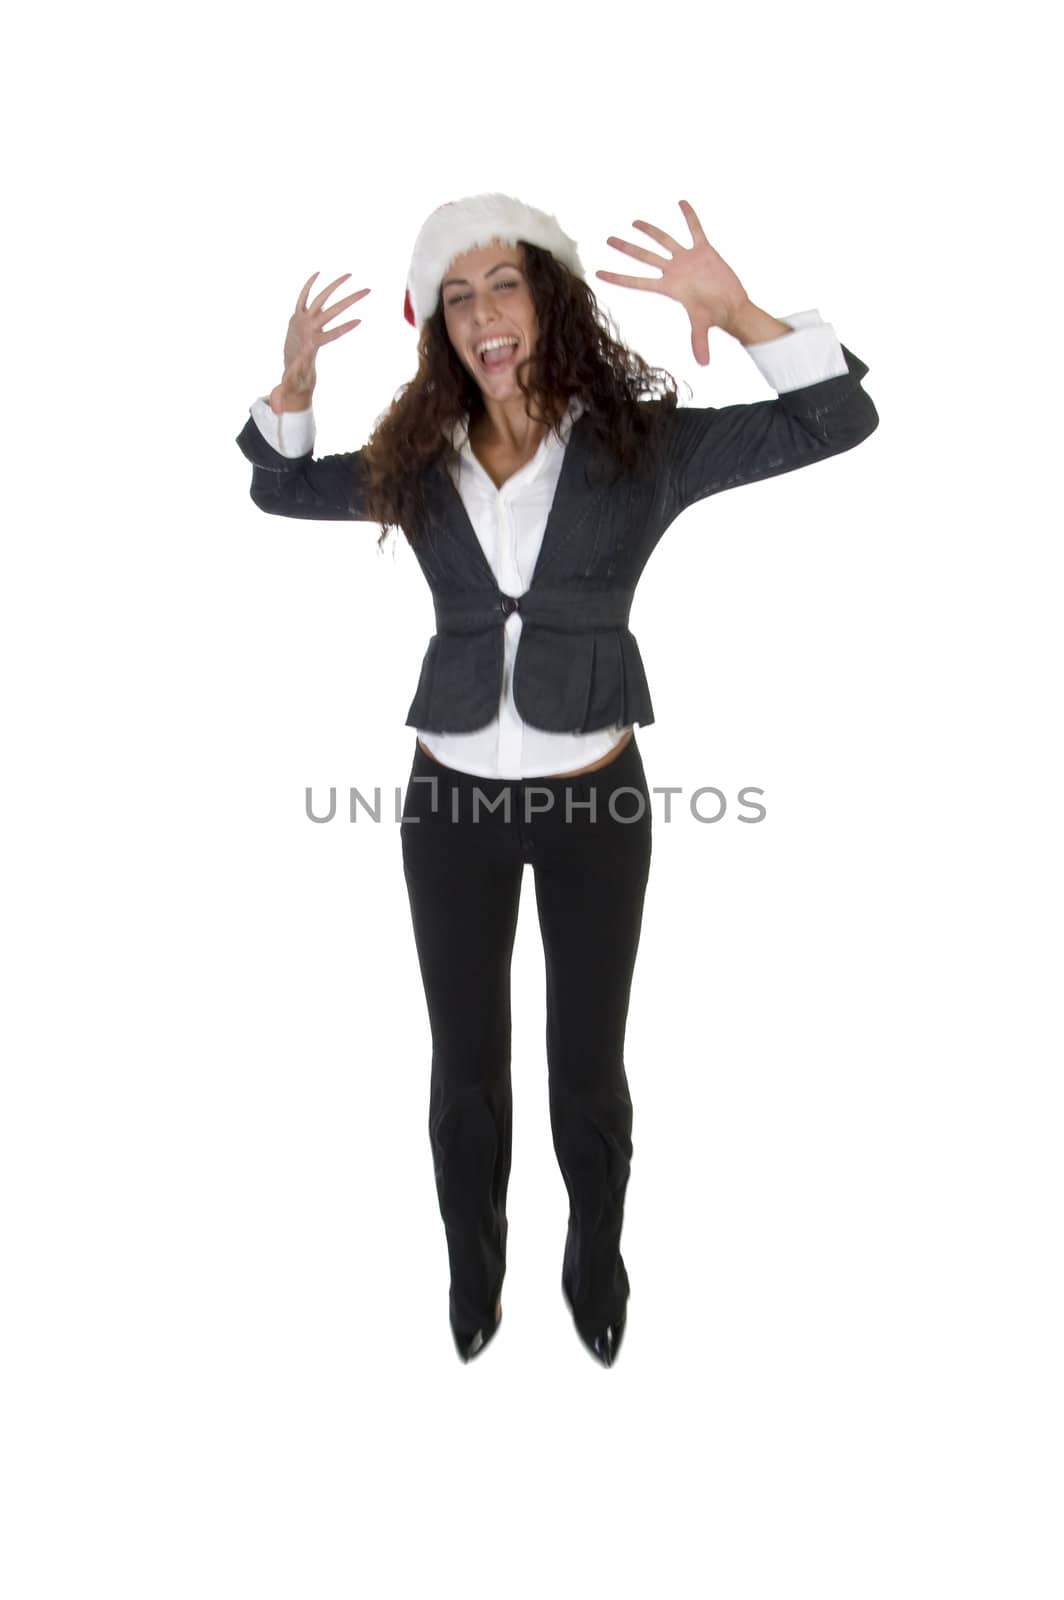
[465, 842]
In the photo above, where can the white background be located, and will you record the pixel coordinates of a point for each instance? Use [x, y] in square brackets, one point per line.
[228, 1369]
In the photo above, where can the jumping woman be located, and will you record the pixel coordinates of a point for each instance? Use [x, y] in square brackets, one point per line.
[533, 465]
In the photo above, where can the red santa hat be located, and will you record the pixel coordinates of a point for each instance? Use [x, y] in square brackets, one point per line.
[470, 224]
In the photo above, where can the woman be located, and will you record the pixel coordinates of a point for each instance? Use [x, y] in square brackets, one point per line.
[533, 479]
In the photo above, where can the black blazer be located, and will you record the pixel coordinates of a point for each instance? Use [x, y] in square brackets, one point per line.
[577, 666]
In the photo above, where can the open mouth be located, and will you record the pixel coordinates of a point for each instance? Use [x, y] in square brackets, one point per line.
[498, 357]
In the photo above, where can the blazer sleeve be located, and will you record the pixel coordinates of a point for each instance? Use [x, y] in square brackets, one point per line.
[712, 448]
[327, 488]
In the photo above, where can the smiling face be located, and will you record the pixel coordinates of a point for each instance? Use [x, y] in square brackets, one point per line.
[486, 296]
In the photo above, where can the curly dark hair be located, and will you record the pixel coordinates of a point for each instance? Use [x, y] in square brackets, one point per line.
[575, 354]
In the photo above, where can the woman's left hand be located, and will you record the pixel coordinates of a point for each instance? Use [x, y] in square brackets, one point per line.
[698, 278]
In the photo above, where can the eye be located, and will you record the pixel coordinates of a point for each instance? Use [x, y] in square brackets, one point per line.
[509, 283]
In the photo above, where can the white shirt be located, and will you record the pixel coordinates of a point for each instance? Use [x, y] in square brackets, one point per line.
[510, 523]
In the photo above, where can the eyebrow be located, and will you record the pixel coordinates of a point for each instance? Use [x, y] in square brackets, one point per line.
[446, 284]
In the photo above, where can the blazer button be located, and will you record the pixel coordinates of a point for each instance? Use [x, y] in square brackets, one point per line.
[508, 604]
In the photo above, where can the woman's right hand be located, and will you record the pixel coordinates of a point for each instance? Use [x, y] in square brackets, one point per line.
[305, 337]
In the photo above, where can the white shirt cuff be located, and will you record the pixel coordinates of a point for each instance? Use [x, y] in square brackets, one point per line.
[290, 434]
[808, 355]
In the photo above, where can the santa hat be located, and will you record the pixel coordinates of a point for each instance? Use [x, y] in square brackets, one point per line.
[470, 224]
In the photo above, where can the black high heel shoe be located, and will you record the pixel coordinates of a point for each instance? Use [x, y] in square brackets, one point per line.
[469, 1345]
[605, 1344]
